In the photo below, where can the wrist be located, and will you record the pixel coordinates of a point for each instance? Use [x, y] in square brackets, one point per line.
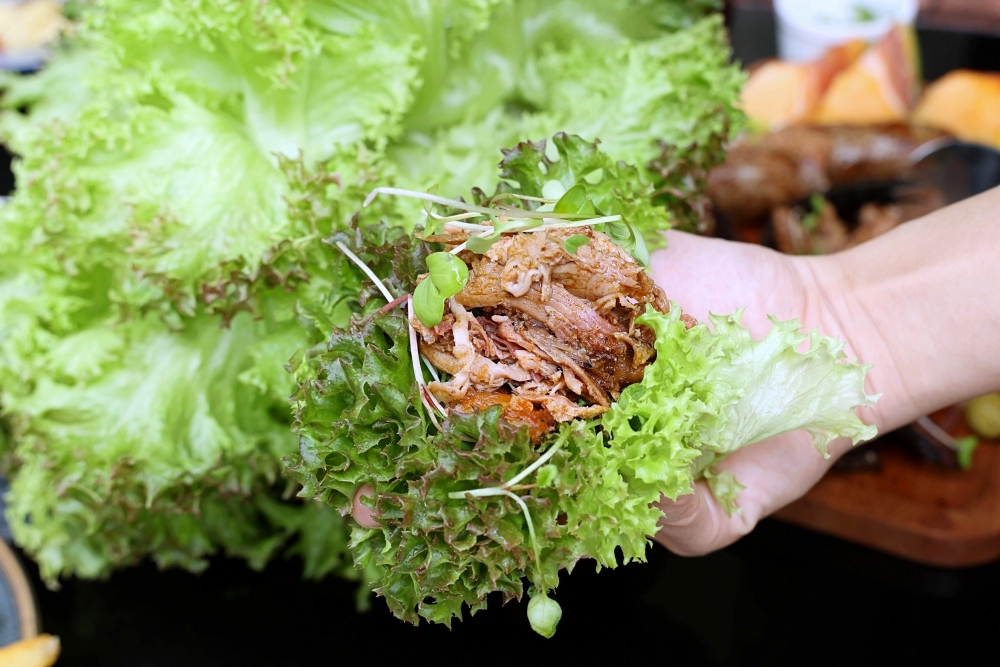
[841, 305]
[920, 304]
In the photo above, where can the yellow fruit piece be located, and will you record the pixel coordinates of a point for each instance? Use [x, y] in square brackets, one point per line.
[983, 415]
[964, 103]
[778, 94]
[879, 88]
[40, 651]
[783, 93]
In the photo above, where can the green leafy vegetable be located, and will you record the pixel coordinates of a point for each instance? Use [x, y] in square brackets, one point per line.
[575, 242]
[446, 277]
[182, 170]
[544, 614]
[428, 303]
[470, 505]
[965, 448]
[575, 201]
[448, 273]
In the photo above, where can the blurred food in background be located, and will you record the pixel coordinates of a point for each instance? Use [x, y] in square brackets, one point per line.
[766, 171]
[808, 28]
[834, 140]
[40, 651]
[851, 83]
[26, 26]
[963, 103]
[983, 415]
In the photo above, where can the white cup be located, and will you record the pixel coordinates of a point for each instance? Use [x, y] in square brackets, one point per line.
[807, 28]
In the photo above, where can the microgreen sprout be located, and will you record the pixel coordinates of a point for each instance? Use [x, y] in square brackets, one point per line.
[452, 218]
[573, 208]
[575, 242]
[430, 368]
[461, 205]
[544, 614]
[503, 490]
[446, 276]
[426, 397]
[515, 195]
[368, 272]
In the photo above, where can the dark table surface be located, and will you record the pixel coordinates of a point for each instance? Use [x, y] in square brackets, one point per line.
[780, 596]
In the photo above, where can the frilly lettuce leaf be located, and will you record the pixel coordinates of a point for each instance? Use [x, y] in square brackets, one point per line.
[774, 388]
[157, 444]
[710, 391]
[665, 105]
[180, 165]
[356, 88]
[614, 188]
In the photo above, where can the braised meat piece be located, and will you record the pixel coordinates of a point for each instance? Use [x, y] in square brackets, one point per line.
[549, 335]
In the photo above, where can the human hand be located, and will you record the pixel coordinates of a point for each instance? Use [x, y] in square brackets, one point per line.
[713, 276]
[920, 304]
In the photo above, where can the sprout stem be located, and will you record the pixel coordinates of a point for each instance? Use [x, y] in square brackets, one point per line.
[514, 195]
[452, 218]
[426, 397]
[368, 272]
[430, 368]
[462, 206]
[550, 224]
[533, 467]
[470, 226]
[531, 533]
[500, 491]
[559, 224]
[392, 304]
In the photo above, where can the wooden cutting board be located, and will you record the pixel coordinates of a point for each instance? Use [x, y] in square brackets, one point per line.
[910, 507]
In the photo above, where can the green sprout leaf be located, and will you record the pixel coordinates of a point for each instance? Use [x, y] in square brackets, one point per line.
[448, 273]
[428, 304]
[575, 201]
[553, 190]
[624, 235]
[479, 244]
[575, 242]
[433, 226]
[965, 447]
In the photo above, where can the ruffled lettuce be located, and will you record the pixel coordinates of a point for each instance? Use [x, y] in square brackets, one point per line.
[180, 164]
[710, 391]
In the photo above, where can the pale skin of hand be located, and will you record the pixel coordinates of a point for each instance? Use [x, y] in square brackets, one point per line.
[921, 304]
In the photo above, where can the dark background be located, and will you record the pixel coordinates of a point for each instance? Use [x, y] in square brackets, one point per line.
[781, 596]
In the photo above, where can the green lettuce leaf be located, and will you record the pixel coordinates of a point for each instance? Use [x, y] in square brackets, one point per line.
[778, 389]
[180, 166]
[155, 443]
[614, 188]
[710, 391]
[665, 105]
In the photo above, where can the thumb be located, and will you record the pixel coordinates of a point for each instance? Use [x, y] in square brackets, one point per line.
[695, 524]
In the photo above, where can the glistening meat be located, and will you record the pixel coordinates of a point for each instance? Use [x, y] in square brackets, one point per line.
[551, 329]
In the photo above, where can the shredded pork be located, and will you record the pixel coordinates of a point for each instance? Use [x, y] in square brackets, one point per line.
[548, 335]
